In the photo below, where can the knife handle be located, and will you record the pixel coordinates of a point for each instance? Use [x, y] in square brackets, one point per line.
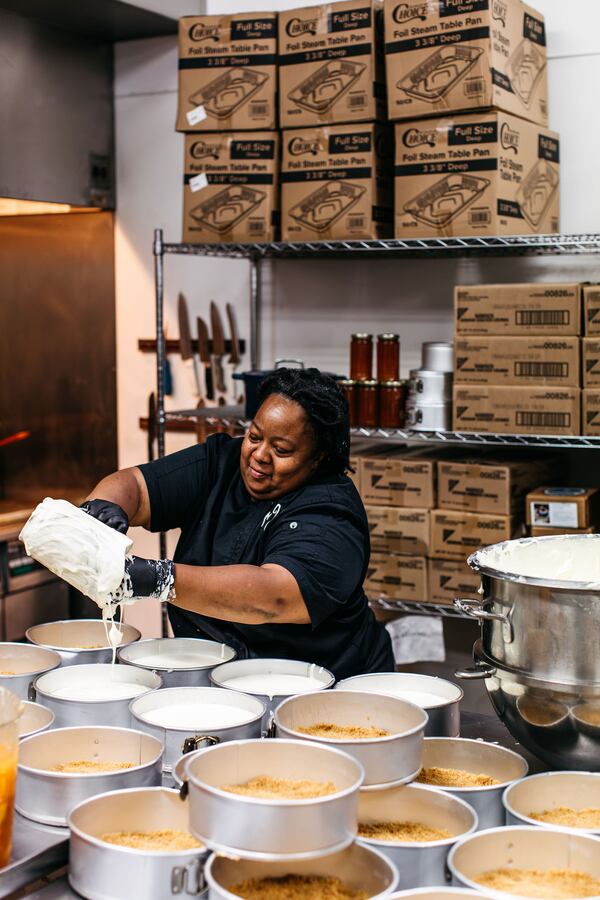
[219, 386]
[192, 376]
[234, 389]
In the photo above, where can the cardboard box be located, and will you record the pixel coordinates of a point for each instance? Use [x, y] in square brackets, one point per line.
[494, 487]
[451, 578]
[518, 360]
[591, 309]
[455, 535]
[408, 479]
[488, 173]
[465, 54]
[519, 309]
[547, 532]
[230, 188]
[359, 450]
[590, 361]
[591, 412]
[331, 67]
[399, 529]
[563, 507]
[336, 182]
[397, 577]
[228, 72]
[517, 410]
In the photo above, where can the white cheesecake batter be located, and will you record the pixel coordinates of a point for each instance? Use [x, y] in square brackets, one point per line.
[198, 716]
[102, 690]
[274, 684]
[554, 558]
[172, 660]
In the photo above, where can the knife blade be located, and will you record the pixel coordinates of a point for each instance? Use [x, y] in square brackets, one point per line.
[235, 357]
[151, 426]
[218, 352]
[205, 357]
[185, 348]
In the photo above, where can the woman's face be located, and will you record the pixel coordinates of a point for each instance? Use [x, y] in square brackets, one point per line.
[278, 451]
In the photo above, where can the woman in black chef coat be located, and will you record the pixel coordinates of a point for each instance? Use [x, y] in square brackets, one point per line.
[274, 541]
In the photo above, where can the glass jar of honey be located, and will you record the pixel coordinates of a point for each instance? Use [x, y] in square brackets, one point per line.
[392, 403]
[361, 357]
[10, 710]
[368, 404]
[388, 357]
[349, 388]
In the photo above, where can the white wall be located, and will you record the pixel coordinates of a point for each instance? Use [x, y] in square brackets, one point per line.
[310, 308]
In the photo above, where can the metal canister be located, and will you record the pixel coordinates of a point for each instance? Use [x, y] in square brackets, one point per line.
[392, 403]
[361, 357]
[368, 404]
[350, 389]
[388, 357]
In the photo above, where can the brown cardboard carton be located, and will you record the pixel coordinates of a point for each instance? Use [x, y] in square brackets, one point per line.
[463, 55]
[331, 67]
[451, 578]
[359, 450]
[336, 182]
[230, 187]
[396, 577]
[485, 173]
[518, 360]
[494, 487]
[591, 309]
[519, 309]
[547, 532]
[399, 529]
[563, 507]
[590, 361]
[517, 410]
[455, 535]
[408, 479]
[227, 72]
[591, 412]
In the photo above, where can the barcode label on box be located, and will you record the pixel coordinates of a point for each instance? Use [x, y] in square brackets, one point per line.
[196, 115]
[480, 217]
[256, 227]
[198, 182]
[357, 101]
[259, 108]
[544, 419]
[528, 317]
[474, 86]
[541, 370]
[356, 221]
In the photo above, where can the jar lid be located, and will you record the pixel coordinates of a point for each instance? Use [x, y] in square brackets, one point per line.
[361, 336]
[392, 384]
[369, 382]
[388, 337]
[347, 382]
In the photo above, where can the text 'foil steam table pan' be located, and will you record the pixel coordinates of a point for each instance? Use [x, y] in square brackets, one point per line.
[326, 205]
[223, 96]
[440, 203]
[435, 76]
[536, 192]
[321, 90]
[227, 208]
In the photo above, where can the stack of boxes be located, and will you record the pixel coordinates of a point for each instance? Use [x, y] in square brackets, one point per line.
[517, 358]
[591, 360]
[563, 510]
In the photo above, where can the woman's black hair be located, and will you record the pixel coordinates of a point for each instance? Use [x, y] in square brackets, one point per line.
[326, 409]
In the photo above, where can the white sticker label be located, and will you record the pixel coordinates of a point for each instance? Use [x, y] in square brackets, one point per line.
[198, 182]
[196, 115]
[557, 515]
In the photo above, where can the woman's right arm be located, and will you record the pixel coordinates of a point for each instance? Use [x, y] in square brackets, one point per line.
[127, 488]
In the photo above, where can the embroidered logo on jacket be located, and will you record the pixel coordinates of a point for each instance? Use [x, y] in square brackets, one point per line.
[272, 514]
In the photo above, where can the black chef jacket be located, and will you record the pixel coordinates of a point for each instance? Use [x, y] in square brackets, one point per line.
[318, 532]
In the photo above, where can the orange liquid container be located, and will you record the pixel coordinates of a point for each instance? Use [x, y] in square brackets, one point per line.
[10, 710]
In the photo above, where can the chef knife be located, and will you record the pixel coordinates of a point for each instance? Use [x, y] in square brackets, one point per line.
[235, 358]
[151, 426]
[218, 352]
[205, 357]
[185, 348]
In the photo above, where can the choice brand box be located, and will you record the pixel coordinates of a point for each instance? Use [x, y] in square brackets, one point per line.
[336, 183]
[455, 535]
[227, 72]
[331, 67]
[518, 309]
[563, 507]
[451, 578]
[406, 480]
[591, 309]
[518, 360]
[230, 187]
[399, 529]
[396, 577]
[489, 173]
[517, 410]
[495, 487]
[463, 54]
[591, 361]
[591, 412]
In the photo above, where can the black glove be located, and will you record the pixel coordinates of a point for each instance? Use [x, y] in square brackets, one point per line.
[150, 577]
[109, 513]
